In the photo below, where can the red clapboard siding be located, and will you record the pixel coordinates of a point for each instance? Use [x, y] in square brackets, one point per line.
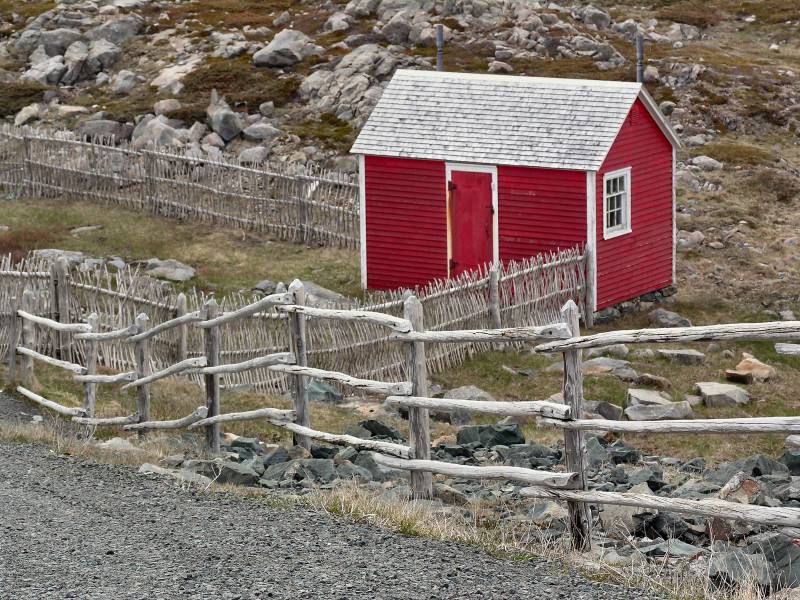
[406, 222]
[639, 262]
[539, 210]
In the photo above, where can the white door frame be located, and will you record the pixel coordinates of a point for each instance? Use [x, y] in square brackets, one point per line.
[472, 168]
[362, 210]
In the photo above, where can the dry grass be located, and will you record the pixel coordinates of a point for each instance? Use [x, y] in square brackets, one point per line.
[226, 261]
[65, 440]
[738, 154]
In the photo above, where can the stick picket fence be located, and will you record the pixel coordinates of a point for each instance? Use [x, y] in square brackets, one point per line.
[301, 203]
[512, 295]
[409, 331]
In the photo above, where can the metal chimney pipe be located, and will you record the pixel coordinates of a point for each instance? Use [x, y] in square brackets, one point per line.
[439, 47]
[639, 57]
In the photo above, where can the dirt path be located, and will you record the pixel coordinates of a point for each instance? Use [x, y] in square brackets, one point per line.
[72, 529]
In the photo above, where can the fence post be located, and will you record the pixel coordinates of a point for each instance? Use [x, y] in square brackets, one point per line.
[28, 333]
[26, 148]
[418, 418]
[574, 447]
[183, 329]
[588, 308]
[13, 340]
[211, 338]
[299, 348]
[59, 305]
[494, 296]
[142, 357]
[89, 388]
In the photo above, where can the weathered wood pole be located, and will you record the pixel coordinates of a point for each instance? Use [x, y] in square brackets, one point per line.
[418, 418]
[59, 306]
[299, 348]
[28, 340]
[494, 297]
[142, 358]
[574, 447]
[13, 340]
[588, 306]
[211, 339]
[90, 388]
[26, 149]
[182, 330]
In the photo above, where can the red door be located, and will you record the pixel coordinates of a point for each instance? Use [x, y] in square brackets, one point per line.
[471, 219]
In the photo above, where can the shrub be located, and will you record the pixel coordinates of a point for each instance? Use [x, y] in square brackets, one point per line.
[17, 95]
[738, 154]
[699, 14]
[241, 82]
[329, 129]
[780, 185]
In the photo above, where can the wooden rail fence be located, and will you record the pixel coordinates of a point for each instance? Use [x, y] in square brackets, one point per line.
[563, 336]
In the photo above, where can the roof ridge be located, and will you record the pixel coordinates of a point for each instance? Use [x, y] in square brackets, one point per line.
[521, 79]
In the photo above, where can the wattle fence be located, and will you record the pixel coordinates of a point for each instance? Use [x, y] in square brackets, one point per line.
[298, 203]
[521, 294]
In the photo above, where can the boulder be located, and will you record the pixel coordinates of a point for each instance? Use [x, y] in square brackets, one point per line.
[170, 269]
[180, 475]
[155, 132]
[622, 521]
[690, 240]
[167, 105]
[221, 119]
[254, 156]
[661, 317]
[647, 398]
[596, 453]
[103, 128]
[47, 72]
[684, 356]
[671, 548]
[170, 79]
[706, 163]
[606, 410]
[32, 112]
[592, 15]
[672, 410]
[791, 458]
[338, 21]
[651, 74]
[286, 48]
[381, 430]
[319, 391]
[751, 369]
[74, 59]
[102, 56]
[398, 28]
[722, 394]
[117, 30]
[56, 41]
[756, 465]
[783, 556]
[742, 489]
[737, 568]
[466, 392]
[488, 436]
[124, 82]
[311, 470]
[261, 132]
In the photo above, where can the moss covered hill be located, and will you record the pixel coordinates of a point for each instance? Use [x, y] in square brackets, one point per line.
[298, 79]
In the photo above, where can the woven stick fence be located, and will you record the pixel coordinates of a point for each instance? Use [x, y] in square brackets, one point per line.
[298, 203]
[514, 295]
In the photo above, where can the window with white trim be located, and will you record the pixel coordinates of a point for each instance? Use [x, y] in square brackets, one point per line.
[617, 203]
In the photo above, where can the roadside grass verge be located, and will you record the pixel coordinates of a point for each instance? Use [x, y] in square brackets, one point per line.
[226, 261]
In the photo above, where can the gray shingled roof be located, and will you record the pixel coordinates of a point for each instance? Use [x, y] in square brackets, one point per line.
[500, 119]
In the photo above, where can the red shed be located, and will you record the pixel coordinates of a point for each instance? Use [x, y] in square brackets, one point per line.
[459, 170]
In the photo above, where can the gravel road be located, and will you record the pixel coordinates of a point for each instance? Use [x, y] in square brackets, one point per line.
[74, 529]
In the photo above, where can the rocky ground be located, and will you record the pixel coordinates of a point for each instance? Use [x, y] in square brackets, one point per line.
[292, 81]
[75, 529]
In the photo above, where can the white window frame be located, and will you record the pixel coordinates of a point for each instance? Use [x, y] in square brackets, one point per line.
[625, 226]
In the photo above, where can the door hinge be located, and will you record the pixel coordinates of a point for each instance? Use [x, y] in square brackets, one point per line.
[452, 264]
[451, 186]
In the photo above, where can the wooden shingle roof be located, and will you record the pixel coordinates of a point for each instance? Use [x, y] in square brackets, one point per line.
[501, 119]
